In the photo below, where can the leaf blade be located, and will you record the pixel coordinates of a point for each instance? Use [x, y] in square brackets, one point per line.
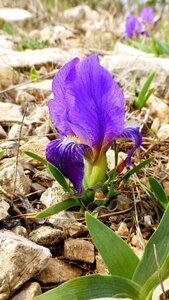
[147, 265]
[59, 177]
[136, 169]
[117, 255]
[58, 207]
[158, 192]
[36, 157]
[93, 286]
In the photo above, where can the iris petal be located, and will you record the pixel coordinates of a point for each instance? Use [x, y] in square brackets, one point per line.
[133, 26]
[67, 156]
[60, 105]
[90, 104]
[132, 133]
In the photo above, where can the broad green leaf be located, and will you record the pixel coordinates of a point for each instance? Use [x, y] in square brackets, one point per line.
[117, 255]
[36, 157]
[163, 47]
[59, 177]
[160, 238]
[158, 192]
[136, 169]
[153, 281]
[142, 98]
[2, 153]
[93, 286]
[56, 208]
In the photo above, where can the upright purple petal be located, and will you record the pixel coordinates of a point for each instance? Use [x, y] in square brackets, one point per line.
[148, 15]
[132, 133]
[92, 103]
[67, 156]
[59, 106]
[133, 26]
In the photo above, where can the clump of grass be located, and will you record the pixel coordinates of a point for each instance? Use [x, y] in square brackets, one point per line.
[10, 29]
[32, 43]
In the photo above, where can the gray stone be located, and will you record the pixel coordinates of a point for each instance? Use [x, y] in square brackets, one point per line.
[123, 230]
[47, 236]
[79, 249]
[20, 230]
[20, 259]
[100, 265]
[80, 12]
[67, 221]
[58, 271]
[36, 145]
[10, 113]
[3, 133]
[10, 147]
[4, 206]
[35, 58]
[6, 42]
[14, 132]
[163, 132]
[110, 154]
[14, 14]
[125, 67]
[52, 195]
[8, 76]
[7, 177]
[28, 291]
[22, 97]
[43, 87]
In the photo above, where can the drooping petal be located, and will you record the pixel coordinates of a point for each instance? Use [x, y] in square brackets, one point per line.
[148, 15]
[67, 156]
[92, 103]
[132, 133]
[133, 26]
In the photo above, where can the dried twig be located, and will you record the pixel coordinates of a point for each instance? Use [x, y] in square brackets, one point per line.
[159, 273]
[17, 155]
[138, 231]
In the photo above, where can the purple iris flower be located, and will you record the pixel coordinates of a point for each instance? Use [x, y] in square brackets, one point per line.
[133, 26]
[148, 15]
[88, 110]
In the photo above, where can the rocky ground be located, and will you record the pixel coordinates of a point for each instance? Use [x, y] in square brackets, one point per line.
[37, 255]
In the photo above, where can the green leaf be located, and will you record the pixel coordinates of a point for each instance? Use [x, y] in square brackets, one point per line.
[117, 255]
[36, 157]
[153, 281]
[163, 47]
[34, 75]
[136, 169]
[93, 286]
[59, 177]
[158, 192]
[160, 238]
[2, 153]
[58, 207]
[144, 93]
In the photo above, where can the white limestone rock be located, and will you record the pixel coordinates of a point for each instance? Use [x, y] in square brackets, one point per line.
[20, 259]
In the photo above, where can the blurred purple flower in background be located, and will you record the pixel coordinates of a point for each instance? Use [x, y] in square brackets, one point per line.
[148, 15]
[88, 110]
[133, 27]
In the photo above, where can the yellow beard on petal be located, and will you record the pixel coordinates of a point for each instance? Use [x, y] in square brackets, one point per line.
[72, 138]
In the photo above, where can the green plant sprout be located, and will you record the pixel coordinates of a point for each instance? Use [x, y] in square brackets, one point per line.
[145, 92]
[157, 192]
[2, 153]
[129, 277]
[34, 75]
[10, 29]
[31, 43]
